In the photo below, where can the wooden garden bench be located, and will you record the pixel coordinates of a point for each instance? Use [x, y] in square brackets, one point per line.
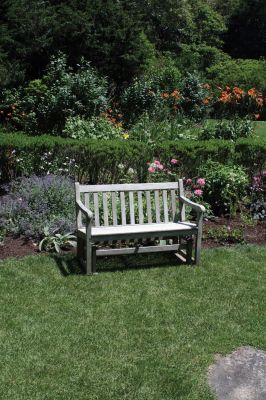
[137, 217]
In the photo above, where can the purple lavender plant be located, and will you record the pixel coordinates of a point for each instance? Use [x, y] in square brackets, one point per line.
[35, 202]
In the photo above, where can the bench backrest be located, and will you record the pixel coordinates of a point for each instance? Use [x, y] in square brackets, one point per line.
[140, 203]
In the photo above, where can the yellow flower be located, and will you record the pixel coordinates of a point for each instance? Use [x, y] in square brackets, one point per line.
[125, 135]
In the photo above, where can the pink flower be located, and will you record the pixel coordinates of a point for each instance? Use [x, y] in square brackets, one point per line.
[198, 192]
[157, 162]
[173, 161]
[201, 182]
[151, 169]
[160, 166]
[188, 181]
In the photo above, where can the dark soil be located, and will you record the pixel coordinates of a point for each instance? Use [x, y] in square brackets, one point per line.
[218, 232]
[16, 247]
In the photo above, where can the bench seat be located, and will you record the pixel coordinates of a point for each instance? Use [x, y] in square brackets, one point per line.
[119, 232]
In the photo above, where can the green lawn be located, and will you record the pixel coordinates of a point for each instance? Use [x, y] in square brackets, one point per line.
[138, 333]
[260, 128]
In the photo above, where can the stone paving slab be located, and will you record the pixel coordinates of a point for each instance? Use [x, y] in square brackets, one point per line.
[240, 375]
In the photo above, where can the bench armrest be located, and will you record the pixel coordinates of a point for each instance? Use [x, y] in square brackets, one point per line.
[199, 208]
[84, 210]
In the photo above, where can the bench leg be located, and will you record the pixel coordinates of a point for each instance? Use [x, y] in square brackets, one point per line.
[197, 249]
[90, 261]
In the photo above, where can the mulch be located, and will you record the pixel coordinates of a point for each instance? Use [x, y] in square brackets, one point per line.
[252, 233]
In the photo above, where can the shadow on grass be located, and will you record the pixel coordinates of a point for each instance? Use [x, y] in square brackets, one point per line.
[69, 264]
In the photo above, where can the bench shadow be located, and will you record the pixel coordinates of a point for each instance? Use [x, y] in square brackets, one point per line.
[70, 265]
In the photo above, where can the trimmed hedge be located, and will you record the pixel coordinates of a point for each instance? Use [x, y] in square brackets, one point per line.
[108, 161]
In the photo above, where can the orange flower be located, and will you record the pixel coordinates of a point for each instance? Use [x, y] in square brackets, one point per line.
[257, 116]
[252, 92]
[238, 91]
[165, 95]
[225, 97]
[206, 100]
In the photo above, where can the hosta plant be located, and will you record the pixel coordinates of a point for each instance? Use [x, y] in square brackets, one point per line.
[56, 241]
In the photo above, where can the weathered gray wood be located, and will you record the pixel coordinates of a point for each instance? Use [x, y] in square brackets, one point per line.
[173, 204]
[96, 209]
[198, 239]
[165, 206]
[131, 208]
[171, 233]
[114, 208]
[128, 187]
[157, 206]
[123, 208]
[87, 200]
[140, 208]
[137, 250]
[78, 211]
[105, 210]
[148, 205]
[182, 210]
[128, 232]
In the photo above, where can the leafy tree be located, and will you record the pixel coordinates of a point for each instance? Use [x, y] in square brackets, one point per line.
[246, 37]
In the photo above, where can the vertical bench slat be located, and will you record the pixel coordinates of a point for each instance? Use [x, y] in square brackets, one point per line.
[181, 205]
[165, 206]
[148, 202]
[96, 209]
[140, 207]
[114, 208]
[87, 200]
[131, 208]
[105, 210]
[123, 208]
[157, 206]
[173, 203]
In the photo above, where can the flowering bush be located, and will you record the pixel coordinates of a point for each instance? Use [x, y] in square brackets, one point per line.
[226, 186]
[159, 172]
[44, 105]
[94, 128]
[194, 189]
[31, 204]
[233, 101]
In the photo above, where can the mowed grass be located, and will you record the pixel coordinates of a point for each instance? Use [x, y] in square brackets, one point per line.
[260, 128]
[144, 333]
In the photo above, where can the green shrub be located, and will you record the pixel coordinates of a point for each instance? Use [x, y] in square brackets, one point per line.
[225, 186]
[228, 130]
[99, 161]
[194, 94]
[149, 130]
[243, 73]
[94, 128]
[198, 57]
[44, 105]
